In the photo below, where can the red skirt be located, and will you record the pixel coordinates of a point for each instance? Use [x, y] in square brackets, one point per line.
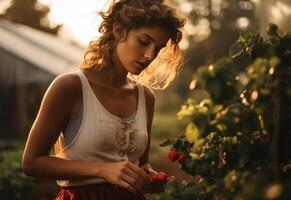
[101, 191]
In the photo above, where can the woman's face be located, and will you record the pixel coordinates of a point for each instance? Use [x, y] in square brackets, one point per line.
[139, 47]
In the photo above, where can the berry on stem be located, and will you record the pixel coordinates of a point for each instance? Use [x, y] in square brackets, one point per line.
[181, 158]
[160, 177]
[173, 155]
[163, 177]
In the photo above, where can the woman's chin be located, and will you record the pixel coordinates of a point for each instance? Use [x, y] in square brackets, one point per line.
[136, 73]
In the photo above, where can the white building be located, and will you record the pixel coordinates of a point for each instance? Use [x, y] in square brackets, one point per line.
[29, 61]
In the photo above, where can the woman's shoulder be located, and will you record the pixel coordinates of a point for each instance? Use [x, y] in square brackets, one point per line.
[69, 80]
[62, 96]
[149, 95]
[67, 84]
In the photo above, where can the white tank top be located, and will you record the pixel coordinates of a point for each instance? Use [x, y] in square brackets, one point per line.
[102, 136]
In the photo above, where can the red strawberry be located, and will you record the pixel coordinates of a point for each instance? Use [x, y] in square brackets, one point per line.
[181, 158]
[162, 176]
[172, 155]
[155, 177]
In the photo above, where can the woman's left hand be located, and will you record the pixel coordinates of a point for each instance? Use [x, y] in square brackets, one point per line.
[158, 179]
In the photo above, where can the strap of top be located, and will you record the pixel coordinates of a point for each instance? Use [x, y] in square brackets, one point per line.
[142, 100]
[86, 87]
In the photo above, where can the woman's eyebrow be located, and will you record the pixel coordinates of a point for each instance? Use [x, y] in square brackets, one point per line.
[149, 37]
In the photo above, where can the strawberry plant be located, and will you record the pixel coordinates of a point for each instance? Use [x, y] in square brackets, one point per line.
[236, 144]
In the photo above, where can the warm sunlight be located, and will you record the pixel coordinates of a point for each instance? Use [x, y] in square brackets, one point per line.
[279, 11]
[78, 16]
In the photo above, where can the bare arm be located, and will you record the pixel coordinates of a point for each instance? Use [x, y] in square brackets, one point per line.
[55, 110]
[150, 105]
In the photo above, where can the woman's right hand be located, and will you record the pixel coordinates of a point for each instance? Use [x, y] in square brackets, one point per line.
[126, 175]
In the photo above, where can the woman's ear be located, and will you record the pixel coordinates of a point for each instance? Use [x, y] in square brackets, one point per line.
[119, 32]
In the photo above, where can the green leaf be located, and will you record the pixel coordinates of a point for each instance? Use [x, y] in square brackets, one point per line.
[249, 38]
[200, 120]
[217, 108]
[213, 87]
[272, 29]
[236, 49]
[167, 143]
[190, 193]
[178, 145]
[286, 41]
[175, 186]
[188, 162]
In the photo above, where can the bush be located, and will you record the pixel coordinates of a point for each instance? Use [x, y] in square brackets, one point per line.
[14, 184]
[237, 140]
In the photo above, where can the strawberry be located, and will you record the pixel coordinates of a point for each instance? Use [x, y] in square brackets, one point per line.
[181, 158]
[172, 155]
[162, 176]
[155, 178]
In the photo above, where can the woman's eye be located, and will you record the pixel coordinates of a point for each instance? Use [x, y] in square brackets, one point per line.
[143, 42]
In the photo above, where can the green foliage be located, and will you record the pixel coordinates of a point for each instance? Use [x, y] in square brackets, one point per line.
[237, 140]
[14, 185]
[175, 190]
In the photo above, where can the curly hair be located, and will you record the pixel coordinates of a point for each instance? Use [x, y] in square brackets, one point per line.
[132, 14]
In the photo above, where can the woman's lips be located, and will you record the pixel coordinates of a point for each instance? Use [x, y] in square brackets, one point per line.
[142, 64]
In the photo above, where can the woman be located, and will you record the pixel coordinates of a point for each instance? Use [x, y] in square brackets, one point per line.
[99, 117]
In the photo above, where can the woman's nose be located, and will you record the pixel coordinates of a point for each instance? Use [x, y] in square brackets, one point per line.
[150, 54]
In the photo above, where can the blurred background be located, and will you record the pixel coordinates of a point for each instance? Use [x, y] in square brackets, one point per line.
[41, 39]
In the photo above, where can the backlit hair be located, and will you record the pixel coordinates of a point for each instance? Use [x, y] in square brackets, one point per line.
[132, 14]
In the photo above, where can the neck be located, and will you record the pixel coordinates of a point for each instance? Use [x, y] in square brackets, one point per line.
[113, 77]
[116, 75]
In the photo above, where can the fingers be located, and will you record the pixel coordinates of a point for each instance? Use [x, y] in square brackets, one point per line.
[128, 176]
[135, 183]
[137, 180]
[146, 178]
[149, 169]
[140, 172]
[137, 177]
[152, 171]
[127, 186]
